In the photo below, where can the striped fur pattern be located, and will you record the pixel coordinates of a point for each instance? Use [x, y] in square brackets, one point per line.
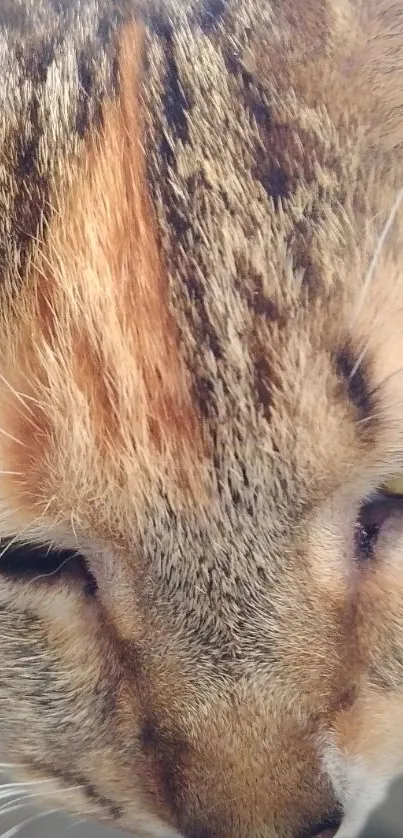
[200, 342]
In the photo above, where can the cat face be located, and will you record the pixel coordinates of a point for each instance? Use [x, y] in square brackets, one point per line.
[201, 586]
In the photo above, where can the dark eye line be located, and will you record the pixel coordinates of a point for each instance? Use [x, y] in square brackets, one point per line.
[32, 562]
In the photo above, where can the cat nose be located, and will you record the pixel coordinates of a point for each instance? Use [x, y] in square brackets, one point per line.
[326, 829]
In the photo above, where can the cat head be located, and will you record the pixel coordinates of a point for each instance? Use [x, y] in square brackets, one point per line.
[201, 586]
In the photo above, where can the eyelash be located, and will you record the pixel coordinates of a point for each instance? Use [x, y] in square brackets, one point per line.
[365, 537]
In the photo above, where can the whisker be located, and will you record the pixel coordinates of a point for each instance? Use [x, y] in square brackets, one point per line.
[19, 397]
[51, 572]
[13, 439]
[377, 252]
[358, 362]
[16, 829]
[23, 784]
[75, 824]
[29, 797]
[10, 795]
[10, 807]
[9, 544]
[377, 320]
[73, 527]
[29, 398]
[385, 381]
[373, 417]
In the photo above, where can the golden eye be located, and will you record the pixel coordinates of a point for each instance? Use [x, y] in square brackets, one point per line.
[394, 486]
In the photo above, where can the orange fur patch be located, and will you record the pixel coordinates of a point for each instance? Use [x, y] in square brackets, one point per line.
[96, 344]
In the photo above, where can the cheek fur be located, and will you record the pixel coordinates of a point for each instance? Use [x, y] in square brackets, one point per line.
[364, 755]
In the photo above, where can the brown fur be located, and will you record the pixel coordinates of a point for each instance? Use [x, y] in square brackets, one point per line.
[138, 410]
[200, 387]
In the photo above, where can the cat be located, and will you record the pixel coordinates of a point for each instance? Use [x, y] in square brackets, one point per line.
[201, 435]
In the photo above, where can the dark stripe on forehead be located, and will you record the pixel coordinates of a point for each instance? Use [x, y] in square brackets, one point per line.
[175, 105]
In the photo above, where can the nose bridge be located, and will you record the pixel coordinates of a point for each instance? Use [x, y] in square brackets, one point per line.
[234, 768]
[266, 775]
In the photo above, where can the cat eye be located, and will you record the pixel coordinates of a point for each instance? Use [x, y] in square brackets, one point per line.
[373, 515]
[40, 563]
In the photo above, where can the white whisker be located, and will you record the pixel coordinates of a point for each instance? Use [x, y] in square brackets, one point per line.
[358, 362]
[16, 829]
[10, 807]
[75, 823]
[51, 573]
[29, 797]
[10, 795]
[15, 539]
[372, 418]
[386, 380]
[377, 252]
[23, 784]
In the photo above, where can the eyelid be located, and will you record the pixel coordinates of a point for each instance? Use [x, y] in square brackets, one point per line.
[382, 506]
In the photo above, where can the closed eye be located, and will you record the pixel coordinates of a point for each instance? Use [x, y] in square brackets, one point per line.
[371, 518]
[41, 563]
